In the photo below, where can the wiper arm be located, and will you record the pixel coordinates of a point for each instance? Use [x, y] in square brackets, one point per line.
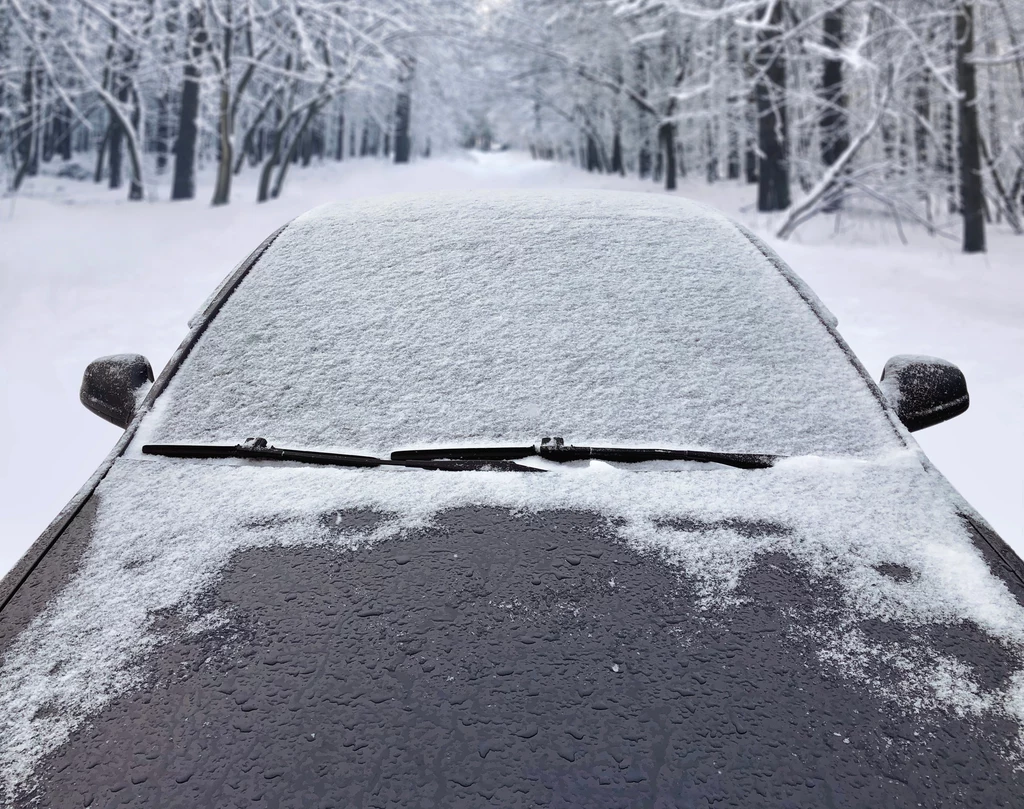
[555, 449]
[257, 449]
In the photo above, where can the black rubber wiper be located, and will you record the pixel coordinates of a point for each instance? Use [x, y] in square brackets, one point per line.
[257, 449]
[555, 449]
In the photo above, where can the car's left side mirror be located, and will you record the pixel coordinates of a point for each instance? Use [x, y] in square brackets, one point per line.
[111, 386]
[924, 390]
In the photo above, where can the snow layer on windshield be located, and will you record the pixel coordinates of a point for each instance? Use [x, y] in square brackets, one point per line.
[607, 318]
[165, 529]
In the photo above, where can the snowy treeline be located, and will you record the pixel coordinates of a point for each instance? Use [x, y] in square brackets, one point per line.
[911, 107]
[914, 106]
[262, 82]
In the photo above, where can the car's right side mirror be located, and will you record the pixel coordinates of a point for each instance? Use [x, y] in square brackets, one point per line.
[111, 386]
[924, 390]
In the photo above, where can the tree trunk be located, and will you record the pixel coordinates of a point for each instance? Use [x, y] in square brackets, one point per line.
[292, 150]
[592, 157]
[254, 139]
[667, 138]
[972, 196]
[184, 184]
[711, 166]
[403, 114]
[26, 146]
[162, 133]
[135, 183]
[750, 166]
[773, 130]
[835, 134]
[339, 150]
[116, 141]
[734, 168]
[101, 154]
[922, 114]
[643, 161]
[69, 124]
[226, 128]
[222, 190]
[617, 167]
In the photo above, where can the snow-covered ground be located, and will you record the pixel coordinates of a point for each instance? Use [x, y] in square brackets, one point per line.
[83, 273]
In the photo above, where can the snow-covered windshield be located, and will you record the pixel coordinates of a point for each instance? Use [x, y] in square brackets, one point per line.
[606, 318]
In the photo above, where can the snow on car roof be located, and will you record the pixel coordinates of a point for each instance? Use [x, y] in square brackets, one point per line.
[603, 317]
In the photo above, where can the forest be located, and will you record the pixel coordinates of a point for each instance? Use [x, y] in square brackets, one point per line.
[908, 109]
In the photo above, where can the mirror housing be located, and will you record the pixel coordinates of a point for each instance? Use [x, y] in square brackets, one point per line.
[924, 390]
[111, 386]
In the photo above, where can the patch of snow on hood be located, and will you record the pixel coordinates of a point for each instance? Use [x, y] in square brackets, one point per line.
[165, 529]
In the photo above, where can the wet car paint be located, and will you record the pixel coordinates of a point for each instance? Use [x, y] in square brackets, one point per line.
[496, 659]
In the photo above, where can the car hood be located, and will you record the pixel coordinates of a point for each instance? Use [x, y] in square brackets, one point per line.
[825, 632]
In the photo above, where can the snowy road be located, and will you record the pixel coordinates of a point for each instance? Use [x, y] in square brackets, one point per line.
[92, 275]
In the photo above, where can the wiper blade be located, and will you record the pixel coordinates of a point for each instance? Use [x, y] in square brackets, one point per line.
[465, 453]
[257, 449]
[555, 449]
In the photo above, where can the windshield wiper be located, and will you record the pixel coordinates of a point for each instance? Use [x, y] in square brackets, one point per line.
[555, 449]
[257, 449]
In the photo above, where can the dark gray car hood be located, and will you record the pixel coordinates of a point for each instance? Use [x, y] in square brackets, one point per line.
[824, 633]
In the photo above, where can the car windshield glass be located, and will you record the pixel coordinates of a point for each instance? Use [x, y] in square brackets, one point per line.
[617, 319]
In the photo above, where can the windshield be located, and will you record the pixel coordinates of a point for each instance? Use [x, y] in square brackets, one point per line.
[616, 319]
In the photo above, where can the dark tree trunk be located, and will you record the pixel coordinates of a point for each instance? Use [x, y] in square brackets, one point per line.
[667, 139]
[68, 128]
[593, 160]
[50, 131]
[293, 150]
[135, 183]
[162, 131]
[922, 112]
[387, 144]
[352, 142]
[972, 196]
[773, 192]
[426, 149]
[115, 145]
[101, 154]
[25, 140]
[364, 145]
[617, 167]
[734, 168]
[307, 148]
[318, 142]
[947, 165]
[643, 162]
[403, 115]
[184, 184]
[750, 166]
[835, 135]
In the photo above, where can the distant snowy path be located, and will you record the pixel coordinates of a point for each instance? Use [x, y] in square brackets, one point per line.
[102, 276]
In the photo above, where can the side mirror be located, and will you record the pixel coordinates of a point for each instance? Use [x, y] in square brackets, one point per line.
[111, 386]
[924, 390]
